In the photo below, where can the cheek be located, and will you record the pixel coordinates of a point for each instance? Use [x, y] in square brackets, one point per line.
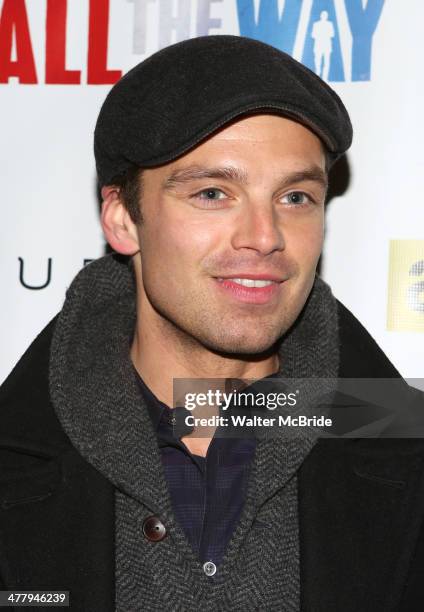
[176, 242]
[304, 241]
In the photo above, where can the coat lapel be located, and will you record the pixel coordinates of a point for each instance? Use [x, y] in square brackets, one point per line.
[361, 504]
[57, 527]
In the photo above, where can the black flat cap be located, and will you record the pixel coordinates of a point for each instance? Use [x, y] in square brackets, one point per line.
[169, 103]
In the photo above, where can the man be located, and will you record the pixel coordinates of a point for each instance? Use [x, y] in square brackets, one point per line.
[212, 157]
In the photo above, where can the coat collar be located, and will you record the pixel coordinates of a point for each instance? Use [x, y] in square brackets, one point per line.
[98, 401]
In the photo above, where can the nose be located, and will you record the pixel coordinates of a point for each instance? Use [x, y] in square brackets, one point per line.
[258, 228]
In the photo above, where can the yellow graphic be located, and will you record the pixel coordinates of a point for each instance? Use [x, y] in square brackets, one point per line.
[405, 308]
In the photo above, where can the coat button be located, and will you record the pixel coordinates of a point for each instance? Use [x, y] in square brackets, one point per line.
[153, 529]
[209, 568]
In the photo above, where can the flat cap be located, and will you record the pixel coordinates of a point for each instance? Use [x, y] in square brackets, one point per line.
[178, 96]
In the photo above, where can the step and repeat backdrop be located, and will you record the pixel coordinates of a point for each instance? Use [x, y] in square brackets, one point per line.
[58, 60]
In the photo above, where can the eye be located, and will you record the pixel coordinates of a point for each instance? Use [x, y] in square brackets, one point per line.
[297, 198]
[211, 194]
[212, 198]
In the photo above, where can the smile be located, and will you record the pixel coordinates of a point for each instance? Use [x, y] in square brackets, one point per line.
[248, 282]
[250, 290]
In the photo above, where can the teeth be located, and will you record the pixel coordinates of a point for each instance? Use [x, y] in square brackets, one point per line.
[249, 282]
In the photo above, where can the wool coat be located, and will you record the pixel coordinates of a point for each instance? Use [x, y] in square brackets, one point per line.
[360, 502]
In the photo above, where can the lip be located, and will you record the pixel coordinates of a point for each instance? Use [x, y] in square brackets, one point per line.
[253, 276]
[250, 295]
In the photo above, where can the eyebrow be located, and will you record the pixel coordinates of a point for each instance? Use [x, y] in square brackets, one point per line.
[191, 173]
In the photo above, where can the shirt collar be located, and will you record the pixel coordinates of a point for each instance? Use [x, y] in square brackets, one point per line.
[159, 412]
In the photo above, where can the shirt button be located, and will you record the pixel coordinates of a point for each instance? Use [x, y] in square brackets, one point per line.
[209, 568]
[153, 529]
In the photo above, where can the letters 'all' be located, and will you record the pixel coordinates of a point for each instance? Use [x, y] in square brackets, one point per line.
[16, 49]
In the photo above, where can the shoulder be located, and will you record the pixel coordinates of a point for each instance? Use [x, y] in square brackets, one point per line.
[26, 413]
[360, 355]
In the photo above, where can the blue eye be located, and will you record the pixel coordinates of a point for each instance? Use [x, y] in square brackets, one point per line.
[298, 198]
[211, 194]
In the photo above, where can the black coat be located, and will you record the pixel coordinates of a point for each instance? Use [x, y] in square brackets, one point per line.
[361, 502]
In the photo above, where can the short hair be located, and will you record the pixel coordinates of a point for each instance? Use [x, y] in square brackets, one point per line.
[130, 185]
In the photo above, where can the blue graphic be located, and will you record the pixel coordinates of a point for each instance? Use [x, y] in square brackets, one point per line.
[323, 32]
[331, 45]
[277, 31]
[363, 23]
[322, 49]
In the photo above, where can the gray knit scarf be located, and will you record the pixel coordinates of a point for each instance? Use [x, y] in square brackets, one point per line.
[98, 403]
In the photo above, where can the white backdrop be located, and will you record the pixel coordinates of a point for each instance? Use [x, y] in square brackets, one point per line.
[58, 60]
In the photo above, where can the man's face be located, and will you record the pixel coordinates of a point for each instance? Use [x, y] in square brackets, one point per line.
[246, 205]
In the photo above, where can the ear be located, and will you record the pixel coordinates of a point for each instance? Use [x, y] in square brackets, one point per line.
[119, 229]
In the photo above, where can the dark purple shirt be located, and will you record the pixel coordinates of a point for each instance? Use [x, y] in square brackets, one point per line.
[207, 493]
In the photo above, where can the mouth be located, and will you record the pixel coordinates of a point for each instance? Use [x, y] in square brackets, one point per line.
[254, 289]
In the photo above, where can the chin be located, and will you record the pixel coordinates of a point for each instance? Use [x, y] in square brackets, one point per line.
[242, 343]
